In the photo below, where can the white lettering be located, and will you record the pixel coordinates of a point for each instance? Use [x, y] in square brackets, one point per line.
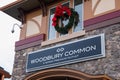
[60, 55]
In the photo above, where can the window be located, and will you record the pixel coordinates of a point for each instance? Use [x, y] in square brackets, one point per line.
[65, 22]
[51, 31]
[78, 6]
[52, 35]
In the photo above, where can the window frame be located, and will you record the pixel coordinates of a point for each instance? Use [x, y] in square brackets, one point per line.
[58, 35]
[49, 23]
[70, 35]
[82, 27]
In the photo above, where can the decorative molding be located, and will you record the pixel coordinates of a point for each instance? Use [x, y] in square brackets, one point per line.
[29, 42]
[62, 72]
[63, 38]
[102, 24]
[102, 18]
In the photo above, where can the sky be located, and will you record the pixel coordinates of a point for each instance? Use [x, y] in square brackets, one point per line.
[7, 39]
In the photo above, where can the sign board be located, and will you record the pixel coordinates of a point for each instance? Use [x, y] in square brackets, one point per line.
[77, 51]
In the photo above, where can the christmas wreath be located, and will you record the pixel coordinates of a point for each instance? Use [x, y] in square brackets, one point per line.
[64, 13]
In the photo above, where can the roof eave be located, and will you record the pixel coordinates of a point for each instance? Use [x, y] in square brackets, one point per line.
[26, 6]
[10, 5]
[5, 73]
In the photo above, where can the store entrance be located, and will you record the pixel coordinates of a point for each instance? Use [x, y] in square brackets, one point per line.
[61, 78]
[64, 74]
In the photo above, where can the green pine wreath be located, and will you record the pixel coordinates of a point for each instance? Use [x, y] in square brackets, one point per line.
[67, 13]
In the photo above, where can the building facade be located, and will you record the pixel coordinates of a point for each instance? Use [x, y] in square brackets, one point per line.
[88, 51]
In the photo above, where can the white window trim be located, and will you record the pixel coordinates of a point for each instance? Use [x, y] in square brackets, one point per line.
[63, 38]
[82, 16]
[49, 18]
[67, 36]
